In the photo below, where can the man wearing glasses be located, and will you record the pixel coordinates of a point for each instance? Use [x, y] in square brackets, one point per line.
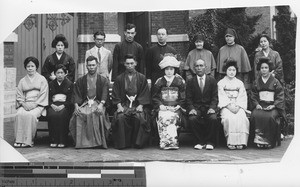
[102, 54]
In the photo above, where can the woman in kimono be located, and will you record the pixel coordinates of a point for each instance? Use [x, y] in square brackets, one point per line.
[32, 98]
[275, 59]
[233, 104]
[236, 52]
[268, 98]
[60, 43]
[60, 107]
[199, 53]
[168, 98]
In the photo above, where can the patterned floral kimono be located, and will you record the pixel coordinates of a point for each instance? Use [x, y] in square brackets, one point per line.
[266, 122]
[236, 126]
[30, 90]
[169, 93]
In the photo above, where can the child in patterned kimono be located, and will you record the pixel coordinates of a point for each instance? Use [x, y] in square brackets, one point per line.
[168, 98]
[233, 104]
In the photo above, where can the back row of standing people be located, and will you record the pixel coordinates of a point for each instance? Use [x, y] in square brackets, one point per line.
[154, 55]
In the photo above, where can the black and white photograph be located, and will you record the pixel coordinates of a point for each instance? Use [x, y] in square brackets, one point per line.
[189, 93]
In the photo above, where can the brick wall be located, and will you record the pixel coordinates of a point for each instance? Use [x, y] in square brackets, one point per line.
[174, 21]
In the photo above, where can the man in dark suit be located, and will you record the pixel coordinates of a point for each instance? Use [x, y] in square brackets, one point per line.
[202, 100]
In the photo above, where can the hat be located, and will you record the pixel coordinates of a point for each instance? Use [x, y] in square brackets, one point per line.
[169, 61]
[231, 32]
[59, 38]
[199, 38]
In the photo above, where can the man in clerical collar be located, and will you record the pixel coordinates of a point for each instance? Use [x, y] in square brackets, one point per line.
[155, 54]
[102, 54]
[128, 46]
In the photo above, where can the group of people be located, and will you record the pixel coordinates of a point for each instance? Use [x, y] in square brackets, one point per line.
[169, 103]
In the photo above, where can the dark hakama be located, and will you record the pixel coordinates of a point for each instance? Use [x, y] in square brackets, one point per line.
[90, 129]
[266, 122]
[131, 128]
[58, 121]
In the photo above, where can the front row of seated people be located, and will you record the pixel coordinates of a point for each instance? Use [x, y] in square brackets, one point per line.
[175, 103]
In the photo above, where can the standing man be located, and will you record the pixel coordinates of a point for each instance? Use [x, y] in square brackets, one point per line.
[102, 54]
[89, 126]
[155, 54]
[131, 95]
[202, 100]
[128, 46]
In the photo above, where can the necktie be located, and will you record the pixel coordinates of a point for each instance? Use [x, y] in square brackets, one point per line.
[201, 84]
[99, 55]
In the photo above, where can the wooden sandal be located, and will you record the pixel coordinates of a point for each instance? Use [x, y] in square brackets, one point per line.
[53, 145]
[61, 145]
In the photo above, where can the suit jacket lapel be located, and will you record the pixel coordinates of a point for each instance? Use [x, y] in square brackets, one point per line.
[196, 83]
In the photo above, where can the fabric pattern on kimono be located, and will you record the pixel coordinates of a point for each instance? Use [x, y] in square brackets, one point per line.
[236, 126]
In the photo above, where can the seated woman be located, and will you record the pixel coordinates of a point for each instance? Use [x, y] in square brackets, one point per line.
[60, 107]
[32, 97]
[268, 96]
[168, 97]
[233, 104]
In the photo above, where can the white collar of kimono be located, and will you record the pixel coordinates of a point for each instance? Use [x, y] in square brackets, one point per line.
[59, 83]
[265, 79]
[169, 79]
[31, 77]
[58, 55]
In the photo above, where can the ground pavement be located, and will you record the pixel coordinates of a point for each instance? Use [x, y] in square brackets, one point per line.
[41, 152]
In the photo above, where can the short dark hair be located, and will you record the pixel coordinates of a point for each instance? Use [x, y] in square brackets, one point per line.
[59, 38]
[99, 33]
[230, 62]
[91, 58]
[130, 56]
[31, 59]
[60, 66]
[129, 26]
[264, 60]
[162, 28]
[266, 36]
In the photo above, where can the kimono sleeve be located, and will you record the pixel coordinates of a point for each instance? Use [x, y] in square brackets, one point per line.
[242, 98]
[279, 95]
[43, 97]
[104, 87]
[20, 94]
[278, 67]
[116, 92]
[254, 96]
[143, 96]
[77, 95]
[156, 99]
[223, 99]
[71, 69]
